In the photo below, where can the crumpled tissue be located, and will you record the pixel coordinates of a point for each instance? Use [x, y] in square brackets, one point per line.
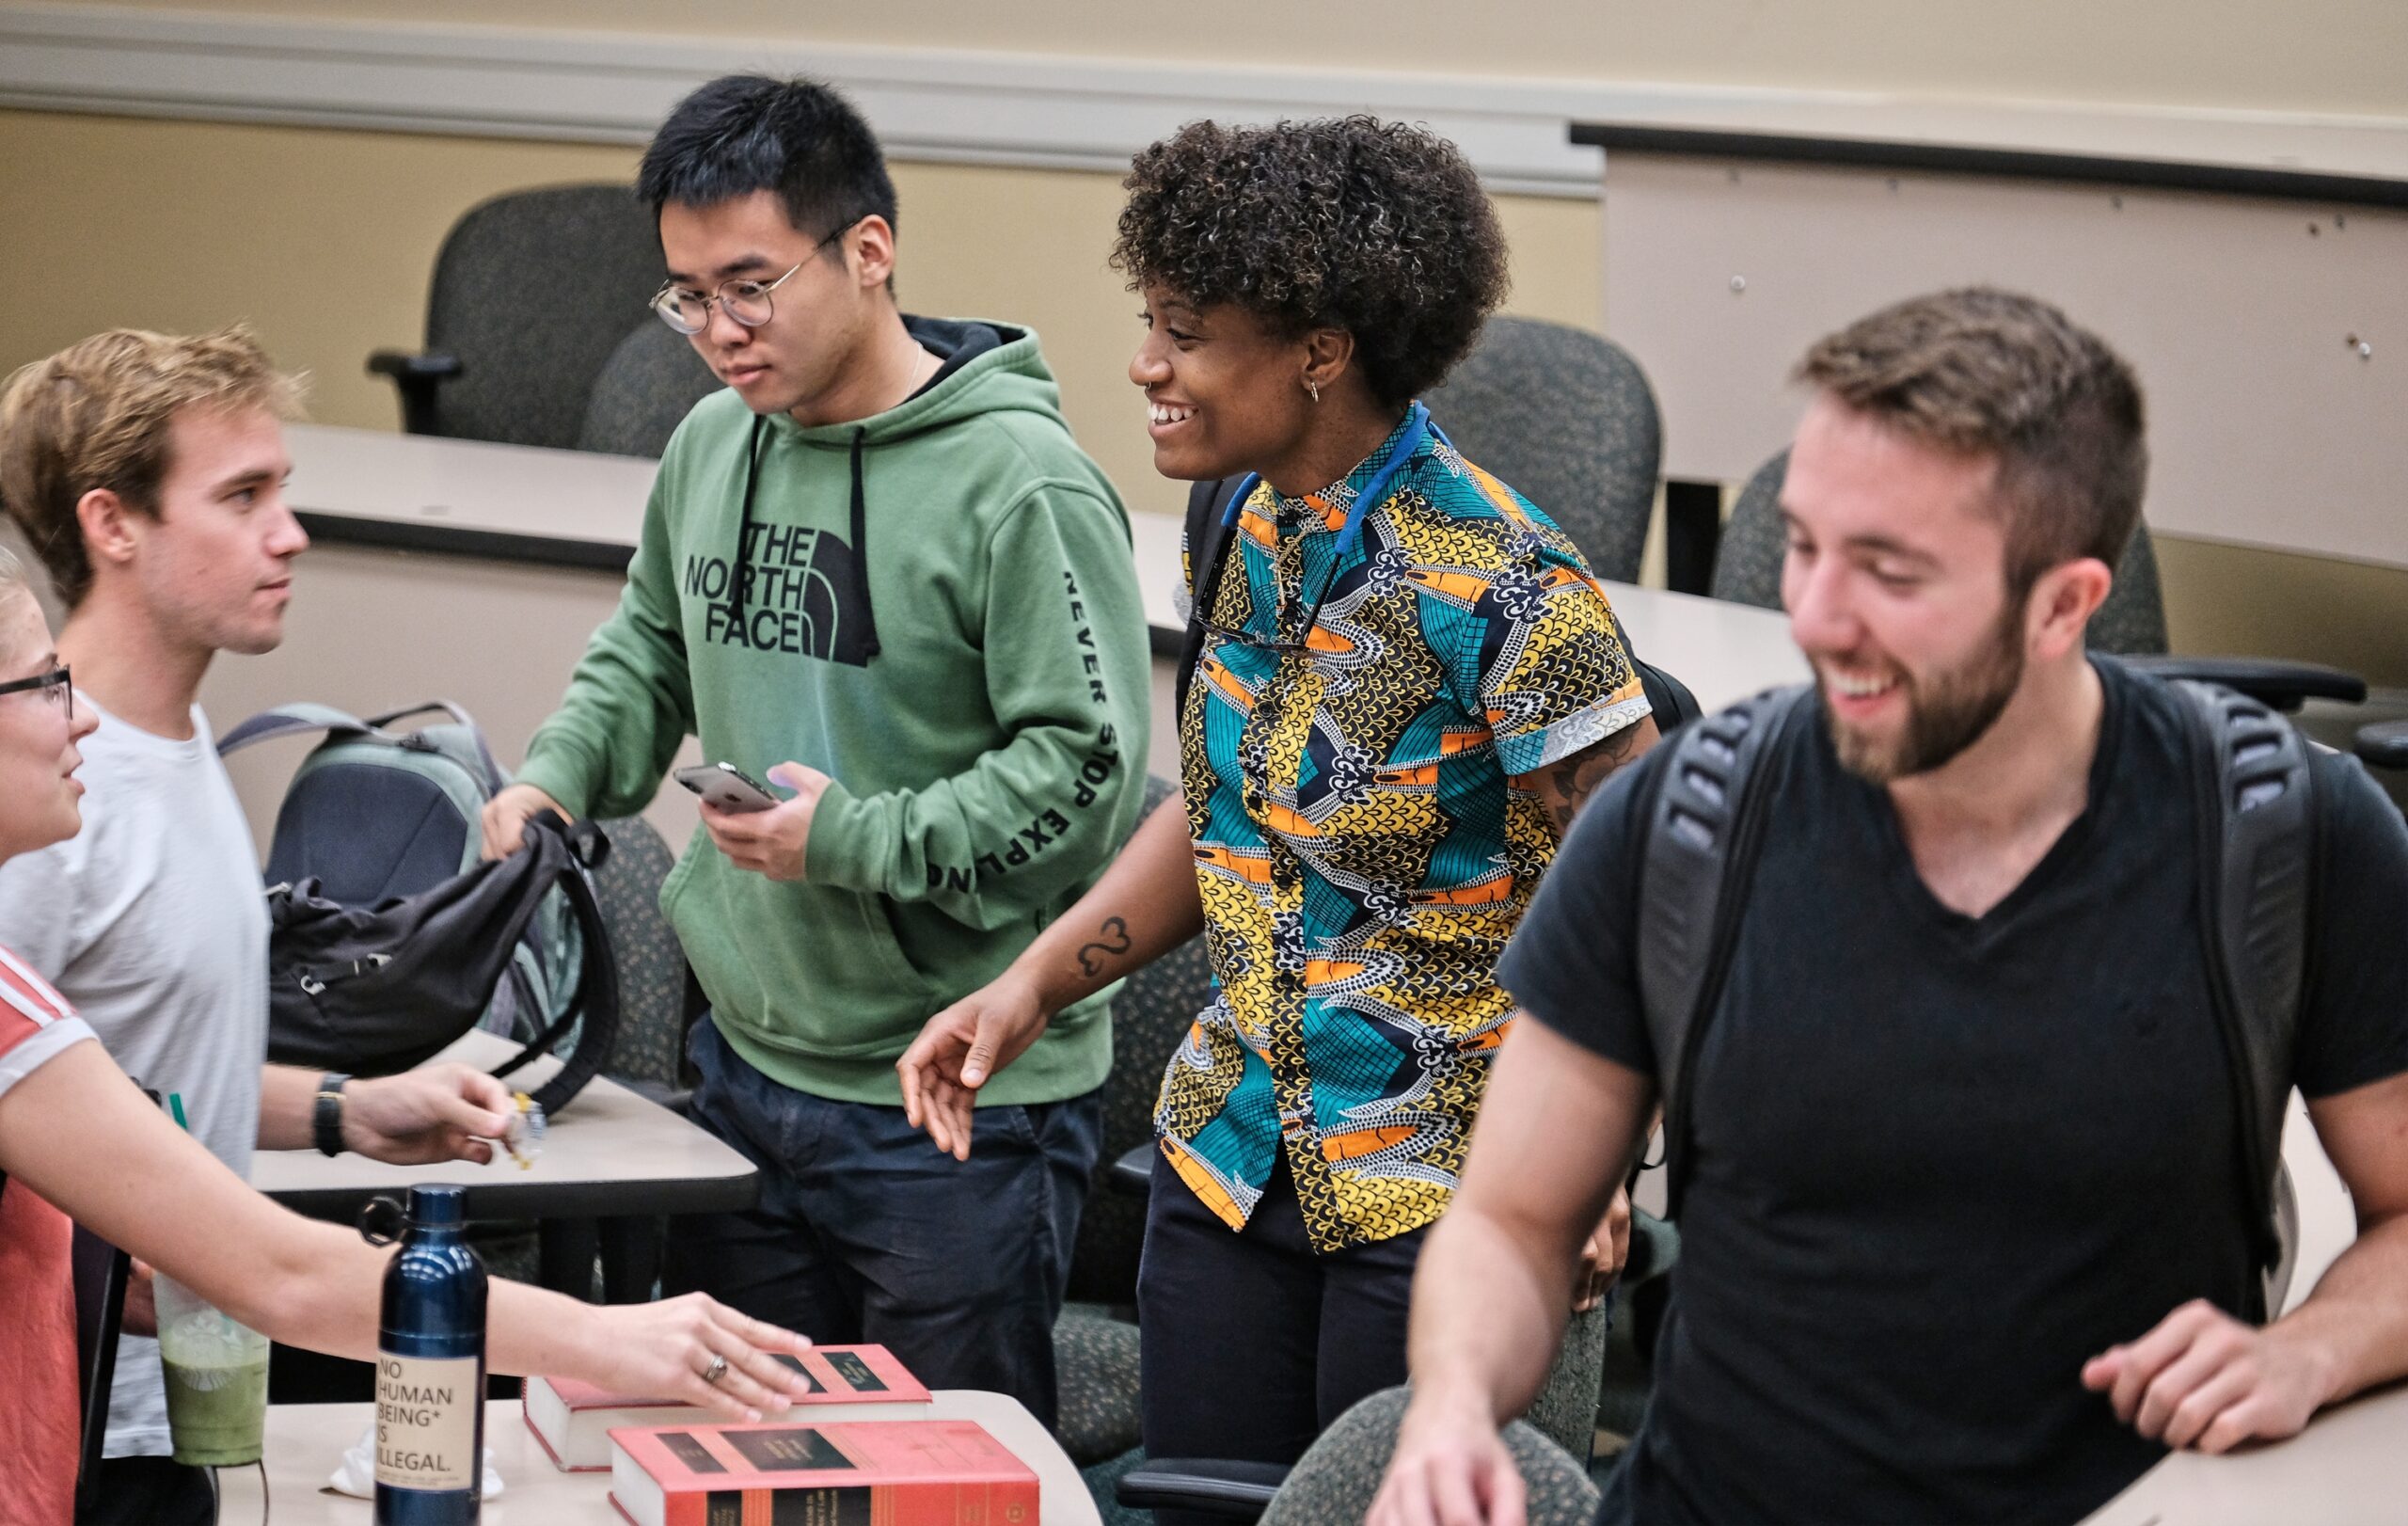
[355, 1475]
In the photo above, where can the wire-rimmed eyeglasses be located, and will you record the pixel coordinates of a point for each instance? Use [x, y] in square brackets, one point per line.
[746, 301]
[55, 686]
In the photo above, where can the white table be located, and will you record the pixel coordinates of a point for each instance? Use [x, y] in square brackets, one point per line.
[304, 1441]
[2349, 1467]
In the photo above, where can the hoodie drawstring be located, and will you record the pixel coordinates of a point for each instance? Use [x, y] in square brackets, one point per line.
[861, 547]
[739, 579]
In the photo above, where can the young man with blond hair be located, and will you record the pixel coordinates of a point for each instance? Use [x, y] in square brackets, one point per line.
[1971, 1227]
[148, 471]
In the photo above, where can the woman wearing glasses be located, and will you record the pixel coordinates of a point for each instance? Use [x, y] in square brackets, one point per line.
[1405, 680]
[78, 1141]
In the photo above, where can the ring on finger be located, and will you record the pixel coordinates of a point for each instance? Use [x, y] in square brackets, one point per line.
[717, 1370]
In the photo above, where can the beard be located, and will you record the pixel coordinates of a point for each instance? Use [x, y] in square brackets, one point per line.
[1946, 712]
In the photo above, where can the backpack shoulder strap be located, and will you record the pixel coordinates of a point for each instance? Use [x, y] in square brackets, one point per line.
[294, 720]
[1704, 827]
[2258, 826]
[1208, 541]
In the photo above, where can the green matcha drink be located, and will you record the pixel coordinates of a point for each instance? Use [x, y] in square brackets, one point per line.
[216, 1373]
[216, 1413]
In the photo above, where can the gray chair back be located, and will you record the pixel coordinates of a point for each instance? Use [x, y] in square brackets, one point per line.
[1747, 569]
[651, 964]
[644, 391]
[1333, 1483]
[532, 292]
[1565, 417]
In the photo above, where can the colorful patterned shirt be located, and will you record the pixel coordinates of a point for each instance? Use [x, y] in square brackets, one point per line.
[1360, 849]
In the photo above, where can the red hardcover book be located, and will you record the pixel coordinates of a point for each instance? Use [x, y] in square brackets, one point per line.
[573, 1421]
[884, 1473]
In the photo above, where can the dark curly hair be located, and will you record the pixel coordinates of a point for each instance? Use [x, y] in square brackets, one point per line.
[1378, 228]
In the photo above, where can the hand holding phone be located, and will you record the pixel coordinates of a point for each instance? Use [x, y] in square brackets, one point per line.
[727, 788]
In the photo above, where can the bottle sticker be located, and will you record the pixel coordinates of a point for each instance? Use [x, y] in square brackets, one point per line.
[426, 1422]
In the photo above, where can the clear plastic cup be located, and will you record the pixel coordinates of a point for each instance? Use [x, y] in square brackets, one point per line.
[217, 1372]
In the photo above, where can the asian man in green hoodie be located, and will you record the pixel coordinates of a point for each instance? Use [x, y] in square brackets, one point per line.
[876, 570]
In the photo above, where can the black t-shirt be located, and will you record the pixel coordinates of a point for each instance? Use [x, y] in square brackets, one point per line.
[1940, 1161]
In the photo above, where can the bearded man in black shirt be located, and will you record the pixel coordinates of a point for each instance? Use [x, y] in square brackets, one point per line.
[1965, 1233]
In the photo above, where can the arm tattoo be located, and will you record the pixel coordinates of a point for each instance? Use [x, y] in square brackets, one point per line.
[1568, 782]
[1114, 940]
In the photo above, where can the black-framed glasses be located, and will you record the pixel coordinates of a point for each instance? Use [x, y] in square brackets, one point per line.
[746, 301]
[54, 685]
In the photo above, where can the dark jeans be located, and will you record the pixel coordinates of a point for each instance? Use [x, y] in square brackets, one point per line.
[1253, 1343]
[150, 1491]
[866, 1233]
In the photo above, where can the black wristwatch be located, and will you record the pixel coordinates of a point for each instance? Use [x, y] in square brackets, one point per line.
[326, 1113]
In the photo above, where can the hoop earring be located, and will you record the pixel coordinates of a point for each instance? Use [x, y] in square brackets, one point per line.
[1314, 388]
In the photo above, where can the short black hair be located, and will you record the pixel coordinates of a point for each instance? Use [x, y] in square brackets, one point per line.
[747, 132]
[1378, 228]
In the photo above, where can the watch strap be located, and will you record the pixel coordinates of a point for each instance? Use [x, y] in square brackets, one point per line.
[326, 1114]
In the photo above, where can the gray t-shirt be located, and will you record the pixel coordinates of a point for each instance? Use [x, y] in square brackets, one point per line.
[152, 921]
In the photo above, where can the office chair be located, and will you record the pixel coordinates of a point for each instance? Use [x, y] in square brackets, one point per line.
[532, 292]
[1567, 419]
[652, 380]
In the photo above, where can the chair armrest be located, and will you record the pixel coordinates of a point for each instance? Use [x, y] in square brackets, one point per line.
[416, 377]
[2268, 680]
[1134, 1172]
[678, 1100]
[2384, 744]
[1208, 1486]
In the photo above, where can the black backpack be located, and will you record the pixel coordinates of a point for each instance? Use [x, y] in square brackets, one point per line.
[374, 990]
[391, 936]
[2256, 820]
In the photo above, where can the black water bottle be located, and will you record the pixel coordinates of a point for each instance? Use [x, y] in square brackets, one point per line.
[431, 1370]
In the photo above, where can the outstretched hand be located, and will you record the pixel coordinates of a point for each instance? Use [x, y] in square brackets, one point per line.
[667, 1347]
[433, 1113]
[955, 1053]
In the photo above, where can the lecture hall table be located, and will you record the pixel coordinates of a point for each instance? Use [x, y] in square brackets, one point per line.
[304, 1441]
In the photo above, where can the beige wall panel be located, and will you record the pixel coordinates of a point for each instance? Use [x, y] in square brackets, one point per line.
[2244, 317]
[2236, 599]
[321, 240]
[2316, 55]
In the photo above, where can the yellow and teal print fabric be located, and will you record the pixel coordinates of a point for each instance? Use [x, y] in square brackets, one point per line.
[1362, 848]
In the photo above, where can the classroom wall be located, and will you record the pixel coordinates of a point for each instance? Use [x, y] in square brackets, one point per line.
[2336, 55]
[322, 240]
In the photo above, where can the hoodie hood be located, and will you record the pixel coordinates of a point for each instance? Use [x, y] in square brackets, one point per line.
[986, 367]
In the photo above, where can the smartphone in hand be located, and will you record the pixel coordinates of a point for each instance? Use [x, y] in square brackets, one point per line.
[727, 788]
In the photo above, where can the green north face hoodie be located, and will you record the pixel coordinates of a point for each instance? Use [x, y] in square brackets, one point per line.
[937, 607]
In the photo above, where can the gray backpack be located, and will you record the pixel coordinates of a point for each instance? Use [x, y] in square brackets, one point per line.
[374, 814]
[2258, 824]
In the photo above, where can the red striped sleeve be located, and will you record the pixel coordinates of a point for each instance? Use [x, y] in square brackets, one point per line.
[28, 1007]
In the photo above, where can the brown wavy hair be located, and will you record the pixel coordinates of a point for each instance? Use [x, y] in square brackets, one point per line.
[1984, 372]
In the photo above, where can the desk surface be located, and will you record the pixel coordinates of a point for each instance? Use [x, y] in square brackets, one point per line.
[608, 1152]
[2349, 1467]
[305, 1442]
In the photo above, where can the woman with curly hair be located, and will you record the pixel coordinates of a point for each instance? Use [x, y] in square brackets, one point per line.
[1402, 682]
